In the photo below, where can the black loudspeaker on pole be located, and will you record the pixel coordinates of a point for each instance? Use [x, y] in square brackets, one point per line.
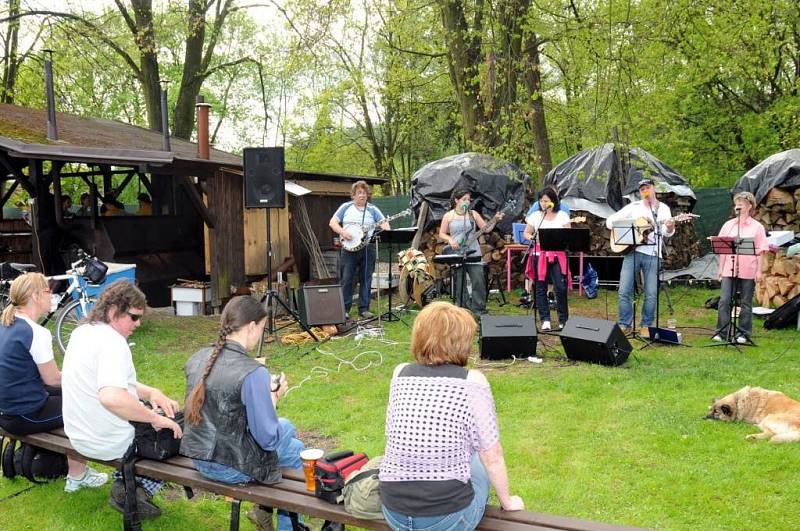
[264, 177]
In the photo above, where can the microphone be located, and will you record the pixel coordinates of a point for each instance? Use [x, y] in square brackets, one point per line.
[464, 207]
[549, 206]
[737, 209]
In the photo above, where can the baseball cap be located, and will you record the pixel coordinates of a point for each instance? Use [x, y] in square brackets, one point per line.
[646, 182]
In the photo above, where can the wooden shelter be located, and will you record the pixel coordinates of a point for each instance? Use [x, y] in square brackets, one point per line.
[198, 224]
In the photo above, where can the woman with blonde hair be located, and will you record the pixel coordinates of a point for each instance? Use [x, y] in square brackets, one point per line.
[739, 275]
[30, 382]
[442, 441]
[232, 431]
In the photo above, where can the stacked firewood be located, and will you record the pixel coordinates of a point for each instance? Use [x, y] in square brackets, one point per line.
[780, 279]
[780, 210]
[493, 253]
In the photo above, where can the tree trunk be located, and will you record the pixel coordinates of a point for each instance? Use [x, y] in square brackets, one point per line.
[144, 36]
[10, 64]
[463, 60]
[192, 79]
[535, 114]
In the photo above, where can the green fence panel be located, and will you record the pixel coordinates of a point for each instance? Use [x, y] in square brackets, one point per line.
[714, 207]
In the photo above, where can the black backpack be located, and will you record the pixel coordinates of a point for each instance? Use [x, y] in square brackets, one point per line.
[784, 316]
[31, 462]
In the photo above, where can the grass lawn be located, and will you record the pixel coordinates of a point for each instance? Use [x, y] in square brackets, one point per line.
[625, 445]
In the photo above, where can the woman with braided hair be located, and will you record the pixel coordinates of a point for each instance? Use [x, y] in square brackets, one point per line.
[232, 431]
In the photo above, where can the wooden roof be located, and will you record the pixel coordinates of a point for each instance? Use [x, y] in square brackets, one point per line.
[23, 133]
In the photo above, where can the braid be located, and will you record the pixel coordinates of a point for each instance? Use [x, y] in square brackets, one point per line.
[198, 396]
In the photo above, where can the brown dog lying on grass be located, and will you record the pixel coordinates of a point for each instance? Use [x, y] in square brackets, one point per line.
[776, 414]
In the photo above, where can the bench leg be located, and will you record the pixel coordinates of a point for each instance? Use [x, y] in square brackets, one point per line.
[236, 506]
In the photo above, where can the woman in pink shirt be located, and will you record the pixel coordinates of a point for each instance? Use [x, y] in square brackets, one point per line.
[747, 268]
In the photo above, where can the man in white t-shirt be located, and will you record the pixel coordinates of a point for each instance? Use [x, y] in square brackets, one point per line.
[101, 393]
[645, 257]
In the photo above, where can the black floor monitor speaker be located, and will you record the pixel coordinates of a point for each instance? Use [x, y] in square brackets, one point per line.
[321, 305]
[503, 336]
[264, 185]
[595, 341]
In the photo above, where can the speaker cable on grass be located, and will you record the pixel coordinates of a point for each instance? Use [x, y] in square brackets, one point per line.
[323, 372]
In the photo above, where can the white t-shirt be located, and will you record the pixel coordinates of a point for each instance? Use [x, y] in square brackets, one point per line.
[535, 218]
[638, 209]
[97, 356]
[42, 343]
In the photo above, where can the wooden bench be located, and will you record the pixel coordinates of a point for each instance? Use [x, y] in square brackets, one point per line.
[291, 494]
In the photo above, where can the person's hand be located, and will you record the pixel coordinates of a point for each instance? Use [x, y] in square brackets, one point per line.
[167, 405]
[166, 423]
[453, 243]
[283, 386]
[345, 234]
[758, 276]
[669, 224]
[515, 503]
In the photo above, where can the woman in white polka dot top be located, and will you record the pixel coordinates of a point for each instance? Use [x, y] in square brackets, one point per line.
[442, 442]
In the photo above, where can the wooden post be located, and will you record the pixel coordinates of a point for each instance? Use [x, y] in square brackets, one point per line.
[226, 239]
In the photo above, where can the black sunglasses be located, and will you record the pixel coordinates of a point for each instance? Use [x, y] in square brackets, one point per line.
[135, 316]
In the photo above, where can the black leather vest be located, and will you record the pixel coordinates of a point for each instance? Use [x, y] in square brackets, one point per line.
[222, 435]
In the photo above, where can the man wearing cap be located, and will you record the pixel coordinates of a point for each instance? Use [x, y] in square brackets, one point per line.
[645, 257]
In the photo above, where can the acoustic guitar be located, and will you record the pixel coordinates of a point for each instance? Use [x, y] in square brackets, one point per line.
[642, 227]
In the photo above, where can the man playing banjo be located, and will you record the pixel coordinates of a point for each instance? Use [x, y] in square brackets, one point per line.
[347, 222]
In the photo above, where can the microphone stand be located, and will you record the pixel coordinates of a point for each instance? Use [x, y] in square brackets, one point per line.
[535, 267]
[657, 228]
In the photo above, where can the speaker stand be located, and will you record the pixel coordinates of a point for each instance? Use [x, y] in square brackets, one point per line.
[271, 297]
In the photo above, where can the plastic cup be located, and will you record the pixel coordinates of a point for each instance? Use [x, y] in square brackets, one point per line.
[309, 457]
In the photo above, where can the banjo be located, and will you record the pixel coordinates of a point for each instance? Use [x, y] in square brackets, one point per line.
[357, 232]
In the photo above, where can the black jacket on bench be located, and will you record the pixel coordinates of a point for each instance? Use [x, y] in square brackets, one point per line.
[222, 435]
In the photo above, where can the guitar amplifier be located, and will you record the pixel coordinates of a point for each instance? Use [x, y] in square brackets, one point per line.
[504, 336]
[321, 305]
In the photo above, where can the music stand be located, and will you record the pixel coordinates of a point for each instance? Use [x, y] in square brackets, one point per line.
[395, 236]
[724, 246]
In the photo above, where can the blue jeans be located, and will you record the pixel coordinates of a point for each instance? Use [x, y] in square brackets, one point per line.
[467, 518]
[363, 262]
[631, 265]
[555, 277]
[288, 449]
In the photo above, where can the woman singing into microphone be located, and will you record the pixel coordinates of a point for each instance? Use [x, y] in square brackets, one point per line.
[551, 265]
[458, 229]
[746, 268]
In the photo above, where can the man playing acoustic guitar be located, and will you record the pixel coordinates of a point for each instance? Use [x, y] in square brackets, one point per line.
[356, 214]
[645, 256]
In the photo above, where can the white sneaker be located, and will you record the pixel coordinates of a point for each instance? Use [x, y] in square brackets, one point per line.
[741, 340]
[717, 338]
[546, 325]
[91, 478]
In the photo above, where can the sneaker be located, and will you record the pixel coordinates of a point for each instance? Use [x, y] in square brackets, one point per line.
[366, 315]
[561, 326]
[261, 518]
[644, 331]
[741, 340]
[546, 326]
[91, 478]
[717, 338]
[147, 509]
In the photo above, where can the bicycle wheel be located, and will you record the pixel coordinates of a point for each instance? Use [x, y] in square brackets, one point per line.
[68, 319]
